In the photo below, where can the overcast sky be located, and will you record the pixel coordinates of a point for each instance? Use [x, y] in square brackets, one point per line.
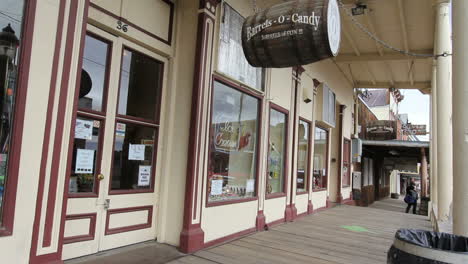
[11, 11]
[417, 106]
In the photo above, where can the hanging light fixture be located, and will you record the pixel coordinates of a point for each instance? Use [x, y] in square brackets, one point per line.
[8, 42]
[359, 9]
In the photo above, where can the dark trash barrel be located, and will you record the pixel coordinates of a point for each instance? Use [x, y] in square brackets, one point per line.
[292, 33]
[427, 247]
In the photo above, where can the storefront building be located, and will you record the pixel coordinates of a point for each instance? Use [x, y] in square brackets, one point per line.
[136, 121]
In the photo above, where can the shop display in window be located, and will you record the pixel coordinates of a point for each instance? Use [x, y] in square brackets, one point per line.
[302, 173]
[320, 173]
[10, 43]
[136, 129]
[133, 157]
[233, 147]
[87, 139]
[277, 152]
[85, 150]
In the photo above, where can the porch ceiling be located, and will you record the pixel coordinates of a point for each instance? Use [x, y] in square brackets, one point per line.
[406, 25]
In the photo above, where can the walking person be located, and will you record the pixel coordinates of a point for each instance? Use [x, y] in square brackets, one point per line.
[411, 198]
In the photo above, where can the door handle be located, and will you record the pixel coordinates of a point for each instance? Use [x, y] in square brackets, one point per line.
[100, 176]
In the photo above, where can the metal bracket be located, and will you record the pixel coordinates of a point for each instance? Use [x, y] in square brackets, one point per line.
[106, 204]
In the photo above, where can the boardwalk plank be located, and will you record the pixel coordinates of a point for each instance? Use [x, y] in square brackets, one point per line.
[320, 238]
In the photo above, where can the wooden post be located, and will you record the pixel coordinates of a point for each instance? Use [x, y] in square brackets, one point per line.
[423, 173]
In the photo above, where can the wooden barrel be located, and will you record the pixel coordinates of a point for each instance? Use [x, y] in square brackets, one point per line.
[292, 33]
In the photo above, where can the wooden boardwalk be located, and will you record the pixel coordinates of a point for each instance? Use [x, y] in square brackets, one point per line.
[344, 234]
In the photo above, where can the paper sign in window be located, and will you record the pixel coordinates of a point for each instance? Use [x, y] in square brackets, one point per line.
[120, 130]
[84, 161]
[250, 185]
[136, 152]
[216, 187]
[84, 129]
[144, 175]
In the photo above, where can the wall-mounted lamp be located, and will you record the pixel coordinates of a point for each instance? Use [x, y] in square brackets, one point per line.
[359, 9]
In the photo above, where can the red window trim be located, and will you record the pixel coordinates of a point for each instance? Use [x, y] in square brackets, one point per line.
[154, 124]
[11, 185]
[350, 162]
[157, 112]
[105, 90]
[97, 171]
[235, 86]
[96, 115]
[285, 111]
[326, 164]
[153, 165]
[309, 153]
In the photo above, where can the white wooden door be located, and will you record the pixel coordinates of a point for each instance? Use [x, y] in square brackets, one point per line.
[112, 195]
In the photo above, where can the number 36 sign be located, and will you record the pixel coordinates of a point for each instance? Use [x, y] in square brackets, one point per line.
[122, 26]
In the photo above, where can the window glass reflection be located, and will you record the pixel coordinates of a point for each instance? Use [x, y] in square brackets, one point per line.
[140, 85]
[11, 19]
[277, 152]
[233, 154]
[320, 158]
[93, 74]
[133, 157]
[85, 152]
[303, 157]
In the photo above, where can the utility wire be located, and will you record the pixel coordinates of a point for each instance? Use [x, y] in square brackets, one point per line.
[10, 17]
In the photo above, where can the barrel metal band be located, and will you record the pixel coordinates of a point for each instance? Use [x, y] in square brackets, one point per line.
[431, 253]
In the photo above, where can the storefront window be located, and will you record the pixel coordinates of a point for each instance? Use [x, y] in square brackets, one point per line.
[140, 86]
[277, 152]
[136, 129]
[233, 148]
[93, 74]
[133, 157]
[11, 25]
[85, 154]
[320, 158]
[231, 58]
[303, 157]
[87, 141]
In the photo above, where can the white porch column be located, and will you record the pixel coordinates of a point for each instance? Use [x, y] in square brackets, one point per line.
[444, 110]
[460, 118]
[433, 138]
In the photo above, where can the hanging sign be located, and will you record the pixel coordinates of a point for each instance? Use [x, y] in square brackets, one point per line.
[381, 130]
[292, 33]
[419, 130]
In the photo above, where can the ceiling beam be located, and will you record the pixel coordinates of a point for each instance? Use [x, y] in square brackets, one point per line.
[397, 85]
[405, 38]
[378, 46]
[355, 48]
[349, 2]
[371, 27]
[425, 91]
[369, 71]
[393, 56]
[349, 38]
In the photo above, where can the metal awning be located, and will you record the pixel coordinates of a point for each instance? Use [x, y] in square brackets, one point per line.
[395, 148]
[396, 143]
